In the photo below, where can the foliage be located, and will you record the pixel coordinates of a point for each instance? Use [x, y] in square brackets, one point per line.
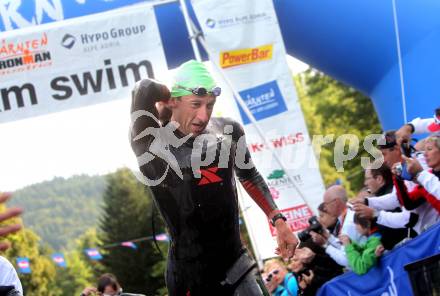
[53, 208]
[127, 215]
[331, 107]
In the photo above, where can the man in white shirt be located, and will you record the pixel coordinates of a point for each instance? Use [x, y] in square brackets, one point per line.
[377, 207]
[8, 275]
[335, 200]
[419, 126]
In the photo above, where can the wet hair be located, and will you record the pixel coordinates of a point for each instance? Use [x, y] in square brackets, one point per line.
[362, 221]
[106, 280]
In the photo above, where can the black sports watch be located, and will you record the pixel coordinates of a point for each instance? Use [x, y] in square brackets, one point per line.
[276, 217]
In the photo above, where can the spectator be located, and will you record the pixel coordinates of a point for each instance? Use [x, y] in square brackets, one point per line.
[321, 266]
[362, 257]
[278, 280]
[419, 194]
[419, 126]
[5, 216]
[377, 207]
[379, 181]
[335, 200]
[9, 282]
[107, 285]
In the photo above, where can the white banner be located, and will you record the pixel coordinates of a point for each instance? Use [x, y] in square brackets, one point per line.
[78, 62]
[244, 40]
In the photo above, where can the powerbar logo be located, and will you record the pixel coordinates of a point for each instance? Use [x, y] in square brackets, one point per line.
[246, 56]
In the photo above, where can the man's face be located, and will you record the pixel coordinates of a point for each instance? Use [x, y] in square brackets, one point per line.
[326, 219]
[109, 291]
[192, 113]
[332, 206]
[391, 155]
[372, 183]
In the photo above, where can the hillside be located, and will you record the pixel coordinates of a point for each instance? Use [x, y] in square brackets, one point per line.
[61, 210]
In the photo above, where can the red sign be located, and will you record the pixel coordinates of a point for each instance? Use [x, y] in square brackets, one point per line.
[297, 218]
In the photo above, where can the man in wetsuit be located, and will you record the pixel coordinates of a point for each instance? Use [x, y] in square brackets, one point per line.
[191, 158]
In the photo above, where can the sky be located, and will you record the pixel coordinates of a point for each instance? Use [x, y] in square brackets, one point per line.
[90, 140]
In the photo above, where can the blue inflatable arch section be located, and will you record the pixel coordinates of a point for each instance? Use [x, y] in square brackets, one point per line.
[356, 42]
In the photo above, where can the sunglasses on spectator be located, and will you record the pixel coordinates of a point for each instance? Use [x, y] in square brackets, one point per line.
[270, 275]
[202, 91]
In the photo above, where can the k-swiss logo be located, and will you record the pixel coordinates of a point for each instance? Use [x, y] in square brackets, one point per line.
[209, 176]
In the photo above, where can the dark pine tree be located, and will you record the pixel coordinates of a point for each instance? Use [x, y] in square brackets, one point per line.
[127, 215]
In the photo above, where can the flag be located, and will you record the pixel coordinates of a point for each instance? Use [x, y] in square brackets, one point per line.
[93, 254]
[23, 265]
[59, 260]
[129, 245]
[163, 237]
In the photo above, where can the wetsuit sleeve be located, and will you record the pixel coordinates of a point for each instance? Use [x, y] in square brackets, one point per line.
[145, 95]
[249, 176]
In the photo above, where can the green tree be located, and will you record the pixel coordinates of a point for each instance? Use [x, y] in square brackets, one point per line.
[80, 271]
[330, 107]
[41, 281]
[126, 216]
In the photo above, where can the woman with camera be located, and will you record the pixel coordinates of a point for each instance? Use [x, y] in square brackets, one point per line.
[428, 189]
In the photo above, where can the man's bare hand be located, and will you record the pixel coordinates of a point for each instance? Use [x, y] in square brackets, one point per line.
[306, 280]
[379, 250]
[5, 216]
[413, 166]
[403, 134]
[287, 242]
[319, 239]
[345, 240]
[363, 211]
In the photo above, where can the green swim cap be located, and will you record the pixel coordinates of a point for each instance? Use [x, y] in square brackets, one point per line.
[191, 74]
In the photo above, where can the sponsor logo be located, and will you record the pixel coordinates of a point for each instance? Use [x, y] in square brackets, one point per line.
[210, 23]
[246, 56]
[96, 41]
[279, 179]
[25, 55]
[297, 218]
[263, 101]
[245, 19]
[280, 142]
[209, 176]
[68, 41]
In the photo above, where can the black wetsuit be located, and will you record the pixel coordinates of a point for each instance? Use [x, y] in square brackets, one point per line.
[201, 213]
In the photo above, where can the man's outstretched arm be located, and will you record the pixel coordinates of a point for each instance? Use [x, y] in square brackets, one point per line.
[256, 187]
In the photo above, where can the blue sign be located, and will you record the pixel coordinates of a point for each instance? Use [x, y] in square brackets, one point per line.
[263, 101]
[23, 265]
[389, 276]
[93, 254]
[15, 14]
[59, 260]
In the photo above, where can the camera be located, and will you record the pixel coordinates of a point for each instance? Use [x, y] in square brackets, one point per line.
[314, 225]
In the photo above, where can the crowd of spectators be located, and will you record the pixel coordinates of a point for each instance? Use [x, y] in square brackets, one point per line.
[400, 200]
